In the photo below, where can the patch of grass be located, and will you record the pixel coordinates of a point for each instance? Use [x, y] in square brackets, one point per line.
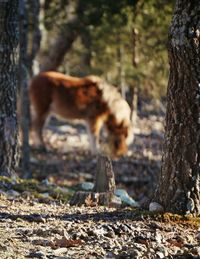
[61, 194]
[35, 189]
[180, 219]
[6, 179]
[5, 183]
[167, 217]
[26, 185]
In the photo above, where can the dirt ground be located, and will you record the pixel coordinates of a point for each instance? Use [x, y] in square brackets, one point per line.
[31, 229]
[36, 220]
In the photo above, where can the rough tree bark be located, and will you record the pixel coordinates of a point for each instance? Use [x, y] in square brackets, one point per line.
[23, 83]
[179, 184]
[29, 40]
[9, 37]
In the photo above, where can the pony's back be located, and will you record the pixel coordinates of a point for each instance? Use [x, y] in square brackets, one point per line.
[89, 98]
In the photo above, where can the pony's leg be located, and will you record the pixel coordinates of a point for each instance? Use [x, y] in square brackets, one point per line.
[37, 128]
[93, 128]
[93, 140]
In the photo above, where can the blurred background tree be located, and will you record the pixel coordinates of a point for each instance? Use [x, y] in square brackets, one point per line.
[122, 41]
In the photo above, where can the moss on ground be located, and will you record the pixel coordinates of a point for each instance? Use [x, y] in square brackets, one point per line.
[35, 189]
[43, 192]
[168, 217]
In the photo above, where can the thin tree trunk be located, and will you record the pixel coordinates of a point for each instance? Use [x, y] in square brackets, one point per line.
[134, 105]
[87, 42]
[23, 81]
[29, 39]
[8, 86]
[179, 184]
[121, 72]
[135, 90]
[63, 41]
[35, 39]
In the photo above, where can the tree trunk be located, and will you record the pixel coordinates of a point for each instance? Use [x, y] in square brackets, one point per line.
[134, 105]
[23, 82]
[8, 86]
[87, 42]
[35, 39]
[29, 40]
[63, 42]
[179, 184]
[120, 66]
[135, 89]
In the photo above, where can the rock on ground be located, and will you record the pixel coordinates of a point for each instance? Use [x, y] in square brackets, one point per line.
[29, 229]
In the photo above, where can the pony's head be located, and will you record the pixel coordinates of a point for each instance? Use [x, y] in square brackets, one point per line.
[120, 129]
[118, 123]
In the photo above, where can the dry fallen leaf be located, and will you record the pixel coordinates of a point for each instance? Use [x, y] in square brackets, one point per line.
[176, 243]
[89, 201]
[65, 242]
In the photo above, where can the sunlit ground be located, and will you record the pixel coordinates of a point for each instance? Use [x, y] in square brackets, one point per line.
[68, 160]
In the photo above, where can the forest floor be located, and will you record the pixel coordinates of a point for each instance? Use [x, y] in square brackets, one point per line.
[36, 220]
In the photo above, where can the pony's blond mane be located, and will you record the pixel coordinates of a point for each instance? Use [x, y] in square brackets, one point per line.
[117, 105]
[59, 76]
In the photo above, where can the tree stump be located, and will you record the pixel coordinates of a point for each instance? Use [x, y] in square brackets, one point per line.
[104, 186]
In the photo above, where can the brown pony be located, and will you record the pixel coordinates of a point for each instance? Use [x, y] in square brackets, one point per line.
[89, 98]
